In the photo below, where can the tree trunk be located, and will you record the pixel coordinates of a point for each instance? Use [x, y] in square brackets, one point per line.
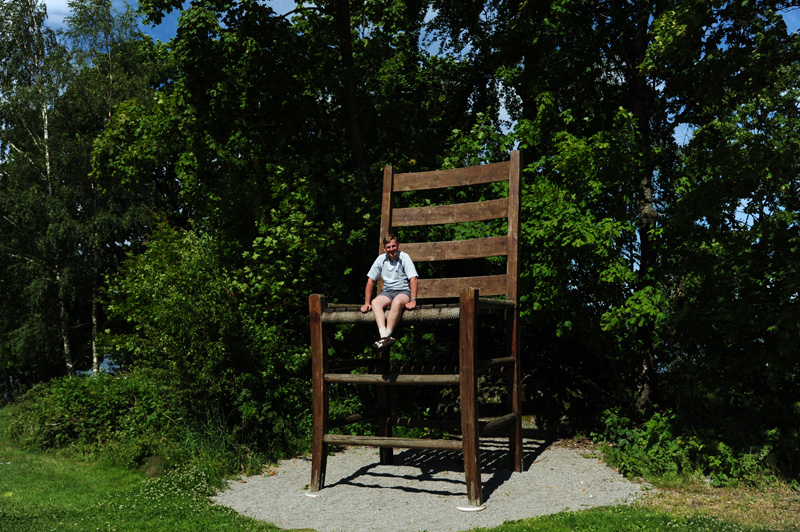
[341, 16]
[95, 355]
[647, 215]
[64, 326]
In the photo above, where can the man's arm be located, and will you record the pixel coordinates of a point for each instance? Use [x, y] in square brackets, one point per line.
[366, 307]
[413, 285]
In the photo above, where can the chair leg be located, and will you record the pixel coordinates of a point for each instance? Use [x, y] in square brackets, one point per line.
[384, 409]
[516, 457]
[468, 384]
[319, 366]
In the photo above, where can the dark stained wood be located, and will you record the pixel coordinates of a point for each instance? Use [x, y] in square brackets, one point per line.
[319, 362]
[437, 288]
[514, 385]
[467, 311]
[512, 293]
[425, 369]
[502, 362]
[512, 258]
[496, 246]
[498, 423]
[451, 214]
[428, 423]
[386, 206]
[457, 177]
[403, 443]
[392, 378]
[353, 418]
[384, 396]
[468, 386]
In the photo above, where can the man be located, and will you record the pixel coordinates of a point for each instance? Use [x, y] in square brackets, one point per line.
[399, 291]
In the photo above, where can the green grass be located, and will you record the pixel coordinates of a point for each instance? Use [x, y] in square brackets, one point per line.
[46, 491]
[623, 519]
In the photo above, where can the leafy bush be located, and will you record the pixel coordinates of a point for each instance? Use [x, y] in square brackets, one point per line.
[660, 448]
[128, 417]
[229, 346]
[133, 419]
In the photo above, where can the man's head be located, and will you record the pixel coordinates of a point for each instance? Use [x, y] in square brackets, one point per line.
[391, 246]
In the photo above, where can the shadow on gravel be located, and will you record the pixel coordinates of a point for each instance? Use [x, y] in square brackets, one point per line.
[494, 466]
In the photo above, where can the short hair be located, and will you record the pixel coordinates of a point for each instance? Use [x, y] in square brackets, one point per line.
[389, 237]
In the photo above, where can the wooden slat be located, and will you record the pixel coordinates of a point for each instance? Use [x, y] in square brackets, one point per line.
[495, 246]
[451, 214]
[354, 418]
[392, 378]
[457, 177]
[498, 423]
[501, 362]
[384, 396]
[428, 423]
[490, 285]
[406, 443]
[491, 303]
[427, 370]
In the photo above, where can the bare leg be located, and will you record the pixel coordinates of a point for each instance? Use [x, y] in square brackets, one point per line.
[378, 306]
[398, 305]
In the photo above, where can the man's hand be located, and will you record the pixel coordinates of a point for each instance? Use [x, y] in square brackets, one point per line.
[411, 305]
[366, 307]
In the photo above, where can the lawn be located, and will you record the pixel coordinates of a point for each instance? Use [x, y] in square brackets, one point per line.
[49, 491]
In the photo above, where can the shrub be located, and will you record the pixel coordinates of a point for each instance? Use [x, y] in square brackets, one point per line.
[227, 336]
[127, 417]
[660, 448]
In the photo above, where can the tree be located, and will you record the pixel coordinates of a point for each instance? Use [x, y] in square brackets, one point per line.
[114, 63]
[37, 228]
[599, 91]
[733, 210]
[63, 228]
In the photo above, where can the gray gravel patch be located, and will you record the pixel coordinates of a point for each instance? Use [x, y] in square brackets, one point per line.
[422, 490]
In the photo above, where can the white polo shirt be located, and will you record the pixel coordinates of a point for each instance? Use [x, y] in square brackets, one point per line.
[395, 274]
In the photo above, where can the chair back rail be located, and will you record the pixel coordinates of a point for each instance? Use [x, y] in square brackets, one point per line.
[493, 209]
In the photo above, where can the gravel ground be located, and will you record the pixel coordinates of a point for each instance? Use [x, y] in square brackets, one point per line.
[424, 488]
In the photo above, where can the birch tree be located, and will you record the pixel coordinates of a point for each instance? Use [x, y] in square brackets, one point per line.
[35, 224]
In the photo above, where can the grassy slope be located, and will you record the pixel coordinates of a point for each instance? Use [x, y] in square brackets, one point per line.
[45, 491]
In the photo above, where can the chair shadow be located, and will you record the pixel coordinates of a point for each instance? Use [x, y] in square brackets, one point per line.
[494, 453]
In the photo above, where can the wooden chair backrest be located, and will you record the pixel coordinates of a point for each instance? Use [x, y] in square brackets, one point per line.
[507, 245]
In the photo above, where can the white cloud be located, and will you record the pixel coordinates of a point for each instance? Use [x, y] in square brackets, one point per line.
[57, 11]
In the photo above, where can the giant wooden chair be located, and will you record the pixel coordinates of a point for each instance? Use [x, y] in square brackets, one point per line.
[466, 308]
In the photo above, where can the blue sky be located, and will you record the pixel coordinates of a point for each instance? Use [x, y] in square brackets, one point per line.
[58, 10]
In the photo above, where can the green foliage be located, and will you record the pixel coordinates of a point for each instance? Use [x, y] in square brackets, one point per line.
[136, 419]
[84, 495]
[215, 335]
[126, 418]
[659, 210]
[662, 448]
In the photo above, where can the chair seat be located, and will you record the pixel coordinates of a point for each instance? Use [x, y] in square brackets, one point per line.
[351, 313]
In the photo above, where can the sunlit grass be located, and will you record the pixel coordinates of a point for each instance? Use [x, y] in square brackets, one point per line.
[47, 491]
[624, 519]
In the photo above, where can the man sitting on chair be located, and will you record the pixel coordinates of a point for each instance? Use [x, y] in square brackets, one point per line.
[399, 276]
